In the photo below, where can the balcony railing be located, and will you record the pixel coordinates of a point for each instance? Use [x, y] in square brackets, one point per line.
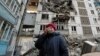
[26, 33]
[5, 11]
[64, 32]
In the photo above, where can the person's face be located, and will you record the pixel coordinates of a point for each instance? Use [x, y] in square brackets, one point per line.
[49, 30]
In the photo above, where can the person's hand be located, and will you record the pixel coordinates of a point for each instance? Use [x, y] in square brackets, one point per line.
[48, 30]
[45, 31]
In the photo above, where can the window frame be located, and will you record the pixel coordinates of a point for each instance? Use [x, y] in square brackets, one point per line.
[92, 12]
[73, 28]
[45, 16]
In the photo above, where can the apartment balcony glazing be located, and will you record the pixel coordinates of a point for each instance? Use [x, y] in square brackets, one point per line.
[9, 15]
[9, 10]
[6, 33]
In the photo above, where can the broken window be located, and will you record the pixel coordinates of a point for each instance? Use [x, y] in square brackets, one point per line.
[85, 20]
[83, 12]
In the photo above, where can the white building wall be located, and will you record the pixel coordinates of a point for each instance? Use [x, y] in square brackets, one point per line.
[77, 22]
[98, 11]
[42, 22]
[92, 16]
[21, 14]
[51, 15]
[29, 19]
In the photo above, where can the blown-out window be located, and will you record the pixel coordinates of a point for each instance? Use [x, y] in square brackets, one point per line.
[42, 27]
[60, 27]
[95, 20]
[81, 4]
[72, 18]
[83, 12]
[90, 5]
[92, 12]
[87, 30]
[73, 28]
[98, 29]
[85, 20]
[44, 8]
[45, 16]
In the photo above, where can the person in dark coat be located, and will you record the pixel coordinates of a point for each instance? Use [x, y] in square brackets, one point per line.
[51, 43]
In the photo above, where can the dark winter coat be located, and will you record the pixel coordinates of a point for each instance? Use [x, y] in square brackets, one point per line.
[52, 45]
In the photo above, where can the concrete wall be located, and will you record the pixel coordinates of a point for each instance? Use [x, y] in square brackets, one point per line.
[30, 19]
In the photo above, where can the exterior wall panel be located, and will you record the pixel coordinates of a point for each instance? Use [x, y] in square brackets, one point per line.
[5, 14]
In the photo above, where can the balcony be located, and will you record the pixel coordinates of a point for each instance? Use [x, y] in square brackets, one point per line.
[64, 32]
[6, 14]
[26, 33]
[3, 47]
